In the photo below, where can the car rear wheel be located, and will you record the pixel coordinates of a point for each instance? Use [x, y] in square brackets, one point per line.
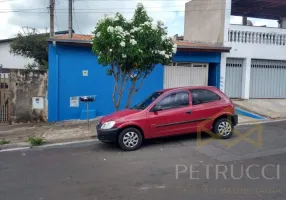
[223, 128]
[130, 139]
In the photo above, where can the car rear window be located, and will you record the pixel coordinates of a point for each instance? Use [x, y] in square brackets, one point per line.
[175, 100]
[200, 96]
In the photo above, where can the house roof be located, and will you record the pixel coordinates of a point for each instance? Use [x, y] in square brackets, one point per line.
[266, 9]
[56, 33]
[75, 37]
[181, 45]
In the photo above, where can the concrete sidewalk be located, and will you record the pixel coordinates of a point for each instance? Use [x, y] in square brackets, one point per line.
[271, 108]
[17, 134]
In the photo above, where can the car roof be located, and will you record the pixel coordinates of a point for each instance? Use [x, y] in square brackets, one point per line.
[188, 88]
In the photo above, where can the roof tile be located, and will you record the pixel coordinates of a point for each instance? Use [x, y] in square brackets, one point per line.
[75, 37]
[181, 44]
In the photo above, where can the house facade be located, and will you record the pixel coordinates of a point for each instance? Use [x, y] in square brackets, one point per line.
[75, 72]
[255, 67]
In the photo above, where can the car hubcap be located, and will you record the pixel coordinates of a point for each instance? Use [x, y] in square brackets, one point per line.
[224, 128]
[130, 139]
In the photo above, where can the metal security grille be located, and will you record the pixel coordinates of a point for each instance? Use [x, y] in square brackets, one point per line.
[268, 79]
[4, 97]
[233, 77]
[185, 74]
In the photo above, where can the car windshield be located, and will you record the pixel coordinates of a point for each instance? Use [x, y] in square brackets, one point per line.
[146, 102]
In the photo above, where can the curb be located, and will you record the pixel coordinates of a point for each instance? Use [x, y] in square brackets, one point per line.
[261, 122]
[79, 143]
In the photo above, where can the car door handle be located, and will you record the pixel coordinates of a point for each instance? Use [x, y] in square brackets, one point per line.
[189, 112]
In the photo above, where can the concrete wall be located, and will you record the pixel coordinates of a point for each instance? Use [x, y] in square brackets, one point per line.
[23, 86]
[205, 21]
[8, 60]
[283, 23]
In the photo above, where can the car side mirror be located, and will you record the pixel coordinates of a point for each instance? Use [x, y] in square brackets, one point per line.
[156, 108]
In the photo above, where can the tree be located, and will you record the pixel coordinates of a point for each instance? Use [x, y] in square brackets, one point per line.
[130, 49]
[31, 44]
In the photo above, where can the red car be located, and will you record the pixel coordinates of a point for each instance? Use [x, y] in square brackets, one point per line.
[170, 112]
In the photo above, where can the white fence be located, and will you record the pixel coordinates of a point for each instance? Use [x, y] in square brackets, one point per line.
[256, 35]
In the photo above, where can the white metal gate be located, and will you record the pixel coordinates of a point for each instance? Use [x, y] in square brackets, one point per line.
[185, 74]
[233, 77]
[268, 79]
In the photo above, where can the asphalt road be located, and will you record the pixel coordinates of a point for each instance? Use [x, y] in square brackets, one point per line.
[101, 171]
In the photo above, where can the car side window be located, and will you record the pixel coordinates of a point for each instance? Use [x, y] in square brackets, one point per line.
[174, 100]
[200, 96]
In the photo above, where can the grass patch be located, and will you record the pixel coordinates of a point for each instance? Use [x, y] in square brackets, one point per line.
[35, 141]
[3, 141]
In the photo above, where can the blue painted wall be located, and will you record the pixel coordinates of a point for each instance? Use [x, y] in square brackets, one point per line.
[200, 57]
[214, 75]
[66, 64]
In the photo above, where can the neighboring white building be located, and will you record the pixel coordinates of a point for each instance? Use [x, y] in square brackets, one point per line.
[256, 64]
[8, 60]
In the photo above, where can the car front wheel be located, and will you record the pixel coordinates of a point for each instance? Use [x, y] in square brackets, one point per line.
[130, 139]
[223, 128]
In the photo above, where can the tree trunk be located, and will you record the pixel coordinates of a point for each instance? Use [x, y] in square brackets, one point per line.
[133, 90]
[120, 81]
[113, 96]
[129, 98]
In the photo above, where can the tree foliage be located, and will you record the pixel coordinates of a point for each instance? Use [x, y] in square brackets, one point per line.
[31, 45]
[130, 49]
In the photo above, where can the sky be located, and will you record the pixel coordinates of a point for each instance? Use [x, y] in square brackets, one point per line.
[16, 15]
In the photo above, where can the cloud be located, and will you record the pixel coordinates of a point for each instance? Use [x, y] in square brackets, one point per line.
[87, 13]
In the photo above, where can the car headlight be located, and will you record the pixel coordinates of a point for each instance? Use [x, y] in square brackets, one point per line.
[108, 125]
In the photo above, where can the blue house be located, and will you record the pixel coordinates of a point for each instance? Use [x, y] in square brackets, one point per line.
[75, 72]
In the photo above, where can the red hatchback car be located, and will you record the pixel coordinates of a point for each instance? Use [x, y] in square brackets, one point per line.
[170, 112]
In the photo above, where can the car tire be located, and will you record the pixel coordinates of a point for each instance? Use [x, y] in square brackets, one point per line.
[130, 139]
[223, 128]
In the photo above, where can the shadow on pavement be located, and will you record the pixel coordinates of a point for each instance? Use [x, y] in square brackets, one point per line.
[153, 142]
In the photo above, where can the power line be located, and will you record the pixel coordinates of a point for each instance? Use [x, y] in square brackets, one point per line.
[6, 1]
[56, 21]
[23, 9]
[142, 0]
[75, 18]
[102, 9]
[8, 10]
[151, 11]
[119, 8]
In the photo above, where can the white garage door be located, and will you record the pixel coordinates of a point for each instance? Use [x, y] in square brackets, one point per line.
[185, 74]
[268, 79]
[233, 77]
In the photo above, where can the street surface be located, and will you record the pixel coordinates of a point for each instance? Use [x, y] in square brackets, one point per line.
[159, 170]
